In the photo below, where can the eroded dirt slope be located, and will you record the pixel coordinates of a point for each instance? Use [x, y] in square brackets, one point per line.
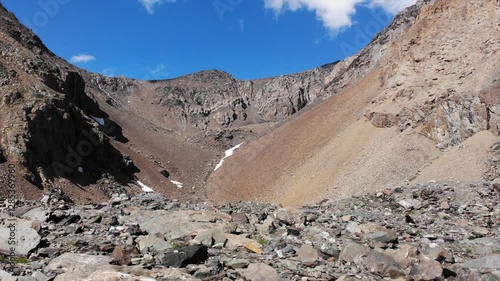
[431, 92]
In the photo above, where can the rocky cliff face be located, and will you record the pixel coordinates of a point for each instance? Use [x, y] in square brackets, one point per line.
[444, 91]
[46, 117]
[214, 99]
[371, 56]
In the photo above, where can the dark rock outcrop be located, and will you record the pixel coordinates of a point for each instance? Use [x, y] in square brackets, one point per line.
[183, 256]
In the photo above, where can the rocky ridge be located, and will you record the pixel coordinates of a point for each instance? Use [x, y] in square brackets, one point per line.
[447, 231]
[214, 100]
[46, 115]
[404, 114]
[211, 110]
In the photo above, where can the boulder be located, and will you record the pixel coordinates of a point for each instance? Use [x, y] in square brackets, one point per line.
[378, 233]
[36, 214]
[308, 255]
[378, 264]
[239, 218]
[382, 120]
[488, 262]
[411, 204]
[26, 238]
[71, 266]
[259, 272]
[353, 250]
[123, 255]
[482, 246]
[210, 237]
[254, 247]
[288, 216]
[427, 269]
[237, 241]
[176, 224]
[150, 244]
[237, 263]
[40, 276]
[183, 256]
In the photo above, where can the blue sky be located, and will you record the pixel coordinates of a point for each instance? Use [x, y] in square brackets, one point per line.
[159, 39]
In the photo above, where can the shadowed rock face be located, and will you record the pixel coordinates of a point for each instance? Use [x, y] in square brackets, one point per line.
[59, 137]
[46, 115]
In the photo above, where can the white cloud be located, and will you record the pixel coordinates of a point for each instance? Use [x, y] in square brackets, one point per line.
[150, 4]
[82, 58]
[335, 14]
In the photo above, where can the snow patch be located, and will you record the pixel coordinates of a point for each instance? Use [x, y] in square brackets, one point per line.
[178, 184]
[145, 188]
[228, 153]
[100, 121]
[219, 164]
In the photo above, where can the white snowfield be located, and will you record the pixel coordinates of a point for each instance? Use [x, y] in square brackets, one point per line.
[145, 188]
[178, 184]
[228, 153]
[100, 121]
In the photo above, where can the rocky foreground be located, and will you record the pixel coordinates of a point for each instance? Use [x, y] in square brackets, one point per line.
[446, 231]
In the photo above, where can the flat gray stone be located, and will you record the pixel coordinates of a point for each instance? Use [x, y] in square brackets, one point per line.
[482, 246]
[488, 262]
[411, 204]
[353, 227]
[308, 255]
[26, 237]
[138, 273]
[380, 236]
[150, 244]
[176, 224]
[78, 264]
[36, 214]
[259, 272]
[376, 263]
[26, 278]
[40, 276]
[237, 263]
[4, 274]
[353, 250]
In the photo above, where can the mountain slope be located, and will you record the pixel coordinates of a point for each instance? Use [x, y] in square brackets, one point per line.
[156, 132]
[421, 96]
[47, 122]
[431, 91]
